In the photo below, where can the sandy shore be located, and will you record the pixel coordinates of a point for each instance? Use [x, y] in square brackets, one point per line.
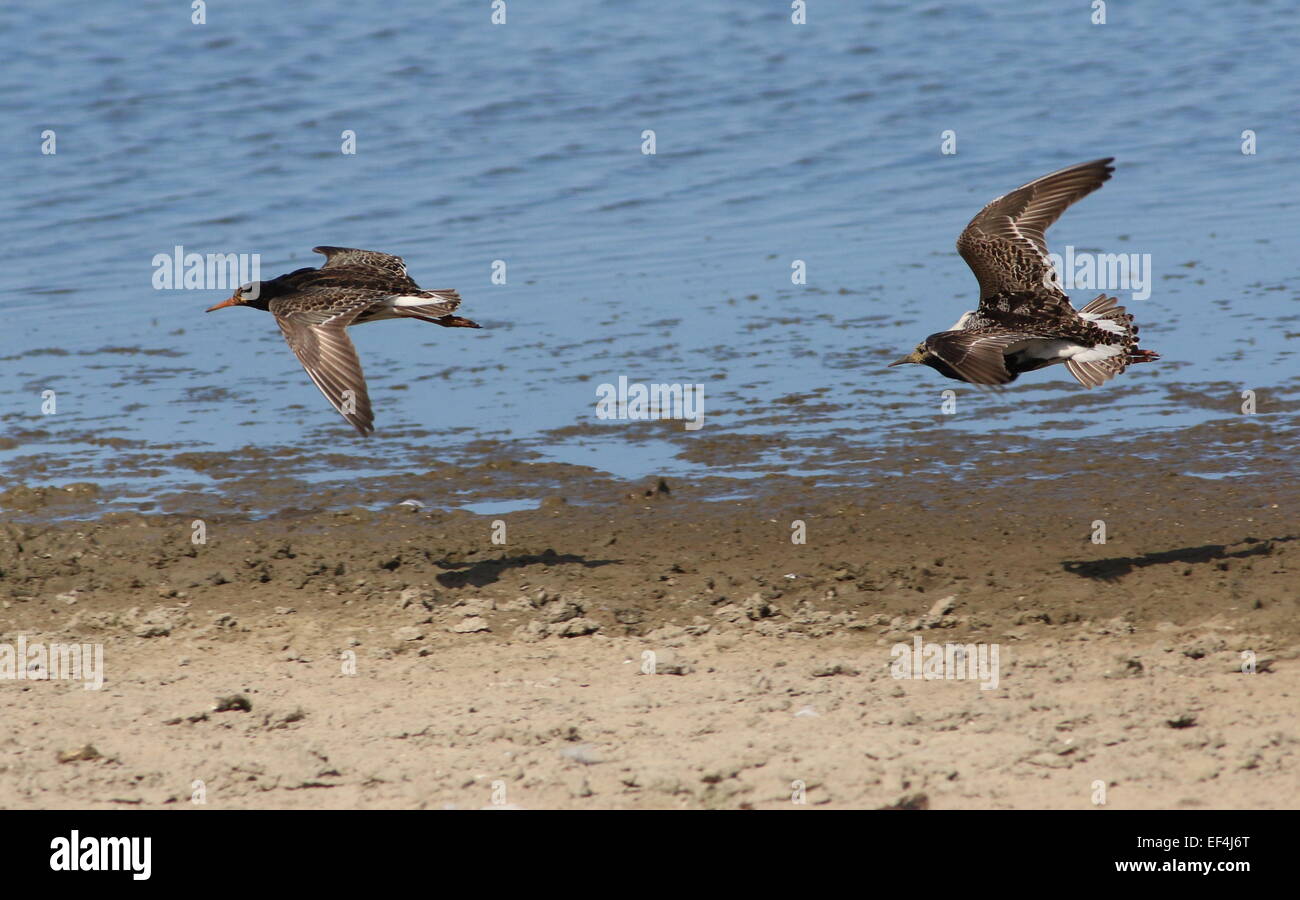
[401, 658]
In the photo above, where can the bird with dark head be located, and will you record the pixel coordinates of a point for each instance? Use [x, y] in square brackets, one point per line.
[314, 307]
[1024, 320]
[259, 294]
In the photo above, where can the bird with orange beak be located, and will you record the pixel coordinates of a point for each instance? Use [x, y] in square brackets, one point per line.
[314, 308]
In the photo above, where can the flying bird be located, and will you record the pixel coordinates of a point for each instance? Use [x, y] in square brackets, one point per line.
[314, 308]
[1024, 320]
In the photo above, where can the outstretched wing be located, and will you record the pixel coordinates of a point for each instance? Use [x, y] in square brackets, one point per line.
[1005, 245]
[336, 257]
[975, 356]
[320, 341]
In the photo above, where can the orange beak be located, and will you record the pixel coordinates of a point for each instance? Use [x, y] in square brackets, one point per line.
[233, 301]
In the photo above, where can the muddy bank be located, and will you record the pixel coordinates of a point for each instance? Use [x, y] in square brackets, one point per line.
[520, 662]
[492, 475]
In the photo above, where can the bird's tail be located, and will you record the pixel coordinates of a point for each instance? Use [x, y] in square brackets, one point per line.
[455, 322]
[444, 319]
[1106, 313]
[1107, 309]
[438, 309]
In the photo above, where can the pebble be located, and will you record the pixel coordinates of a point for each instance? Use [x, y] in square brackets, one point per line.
[585, 754]
[944, 606]
[670, 662]
[833, 669]
[233, 703]
[575, 628]
[84, 753]
[910, 801]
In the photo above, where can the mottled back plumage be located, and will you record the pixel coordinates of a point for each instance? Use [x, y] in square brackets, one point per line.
[1024, 320]
[314, 307]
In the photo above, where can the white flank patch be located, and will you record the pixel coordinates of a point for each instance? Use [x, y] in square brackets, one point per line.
[1058, 349]
[411, 301]
[1092, 354]
[1103, 324]
[961, 323]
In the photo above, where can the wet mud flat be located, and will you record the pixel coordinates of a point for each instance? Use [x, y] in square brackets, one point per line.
[399, 657]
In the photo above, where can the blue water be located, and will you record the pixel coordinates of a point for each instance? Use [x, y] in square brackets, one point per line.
[522, 142]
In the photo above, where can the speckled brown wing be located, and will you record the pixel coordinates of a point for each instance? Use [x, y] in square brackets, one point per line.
[975, 356]
[1005, 245]
[318, 337]
[336, 257]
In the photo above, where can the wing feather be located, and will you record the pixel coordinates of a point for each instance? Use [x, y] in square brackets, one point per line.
[977, 357]
[330, 359]
[337, 257]
[1006, 244]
